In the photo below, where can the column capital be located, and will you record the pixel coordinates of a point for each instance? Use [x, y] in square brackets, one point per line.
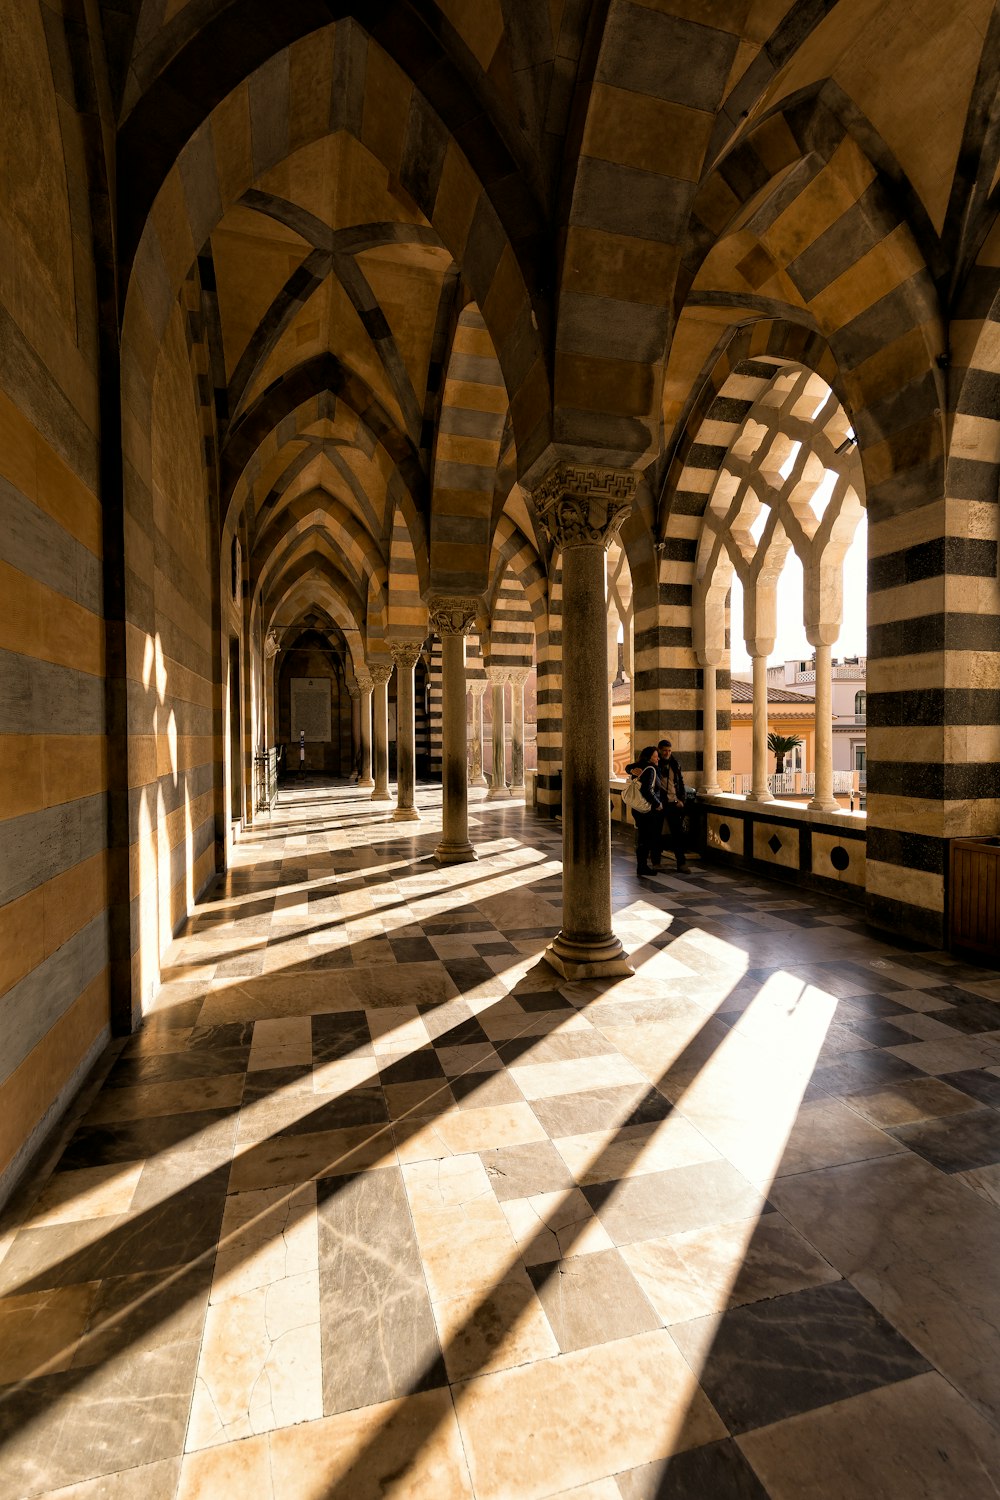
[405, 654]
[354, 692]
[364, 682]
[518, 675]
[478, 686]
[379, 672]
[579, 505]
[497, 676]
[453, 614]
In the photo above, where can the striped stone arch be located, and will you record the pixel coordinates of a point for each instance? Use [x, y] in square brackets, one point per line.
[514, 553]
[281, 413]
[512, 633]
[317, 556]
[407, 584]
[474, 409]
[827, 216]
[311, 591]
[273, 111]
[318, 511]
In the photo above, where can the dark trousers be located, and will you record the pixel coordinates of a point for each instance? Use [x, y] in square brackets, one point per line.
[648, 838]
[675, 831]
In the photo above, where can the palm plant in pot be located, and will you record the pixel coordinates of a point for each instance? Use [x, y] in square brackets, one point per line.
[781, 745]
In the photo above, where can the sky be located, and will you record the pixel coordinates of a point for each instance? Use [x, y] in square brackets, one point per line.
[790, 642]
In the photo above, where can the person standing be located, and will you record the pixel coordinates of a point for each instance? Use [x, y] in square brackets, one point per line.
[648, 825]
[302, 753]
[672, 796]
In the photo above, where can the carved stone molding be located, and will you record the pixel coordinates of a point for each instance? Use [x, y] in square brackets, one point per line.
[364, 682]
[380, 672]
[405, 654]
[271, 645]
[584, 507]
[452, 614]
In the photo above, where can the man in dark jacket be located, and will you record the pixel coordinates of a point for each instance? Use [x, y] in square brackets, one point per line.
[672, 796]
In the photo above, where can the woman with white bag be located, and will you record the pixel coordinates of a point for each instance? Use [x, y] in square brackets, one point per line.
[642, 797]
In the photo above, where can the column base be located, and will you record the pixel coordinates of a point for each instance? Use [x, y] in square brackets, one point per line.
[381, 796]
[365, 782]
[709, 791]
[405, 815]
[603, 959]
[454, 854]
[498, 793]
[479, 781]
[819, 805]
[517, 790]
[759, 797]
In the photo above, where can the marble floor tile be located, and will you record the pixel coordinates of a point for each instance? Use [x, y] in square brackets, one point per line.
[703, 1271]
[600, 1110]
[523, 1171]
[281, 1043]
[716, 1471]
[378, 1332]
[588, 1412]
[466, 1130]
[293, 1159]
[956, 1144]
[495, 1329]
[260, 1364]
[266, 1237]
[983, 1180]
[921, 1248]
[949, 1057]
[91, 1193]
[403, 1450]
[39, 1330]
[156, 1481]
[554, 1226]
[658, 1204]
[602, 1156]
[773, 1359]
[917, 1439]
[903, 1103]
[592, 1299]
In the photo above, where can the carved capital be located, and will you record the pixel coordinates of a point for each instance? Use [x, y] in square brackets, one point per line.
[380, 672]
[405, 654]
[519, 675]
[271, 645]
[497, 676]
[451, 614]
[364, 682]
[354, 693]
[584, 507]
[477, 686]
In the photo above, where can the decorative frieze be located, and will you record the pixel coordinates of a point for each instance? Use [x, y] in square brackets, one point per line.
[579, 506]
[452, 614]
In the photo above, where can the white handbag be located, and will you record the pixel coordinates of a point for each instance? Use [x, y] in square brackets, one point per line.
[633, 798]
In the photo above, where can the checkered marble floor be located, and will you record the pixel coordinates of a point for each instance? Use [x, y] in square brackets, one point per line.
[377, 1205]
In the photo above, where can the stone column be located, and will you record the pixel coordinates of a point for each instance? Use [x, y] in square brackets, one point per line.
[380, 674]
[709, 731]
[365, 727]
[478, 691]
[518, 677]
[405, 654]
[823, 799]
[498, 783]
[580, 510]
[452, 619]
[354, 693]
[759, 790]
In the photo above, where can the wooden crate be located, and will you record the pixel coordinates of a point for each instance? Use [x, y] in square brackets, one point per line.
[975, 898]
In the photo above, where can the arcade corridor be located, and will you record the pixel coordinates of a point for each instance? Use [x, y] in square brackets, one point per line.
[377, 1205]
